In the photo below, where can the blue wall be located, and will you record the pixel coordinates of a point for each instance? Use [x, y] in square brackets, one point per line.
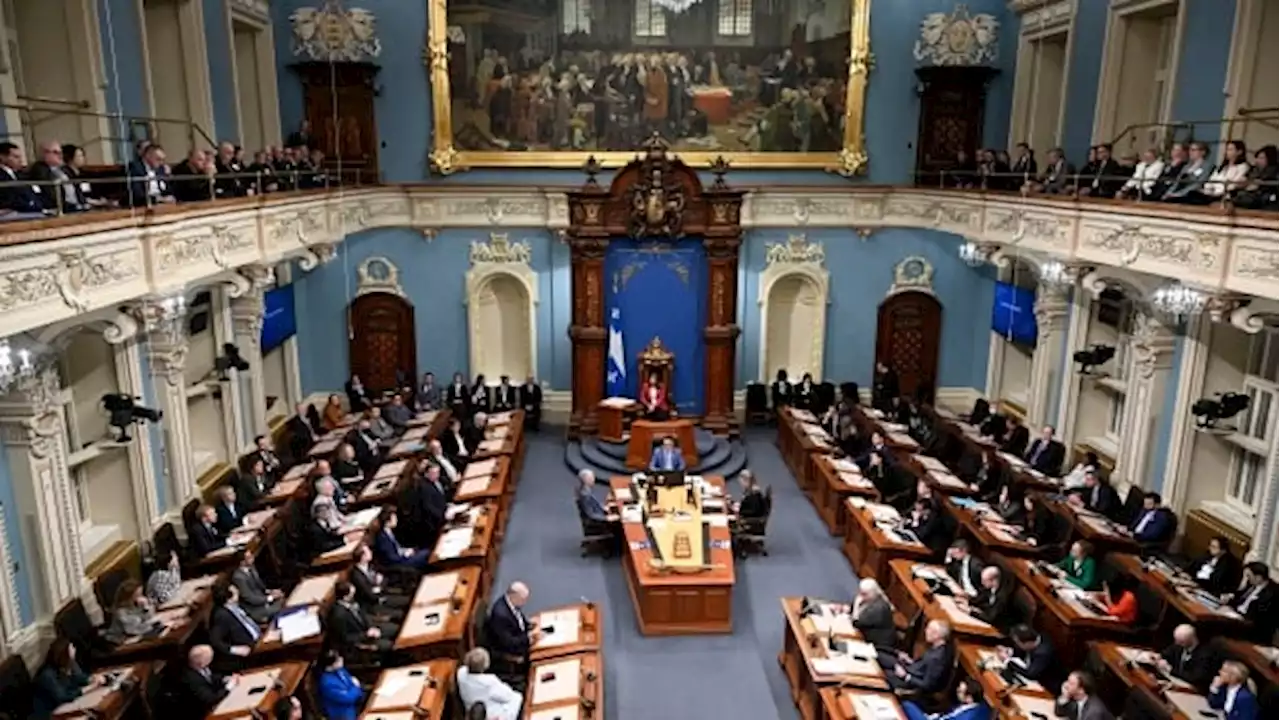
[123, 59]
[13, 533]
[1202, 65]
[861, 275]
[222, 76]
[433, 276]
[403, 107]
[1085, 69]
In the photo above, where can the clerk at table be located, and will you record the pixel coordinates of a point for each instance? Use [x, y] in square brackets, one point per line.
[667, 456]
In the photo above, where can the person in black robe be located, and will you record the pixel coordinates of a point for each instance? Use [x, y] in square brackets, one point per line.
[531, 403]
[884, 387]
[505, 396]
[457, 396]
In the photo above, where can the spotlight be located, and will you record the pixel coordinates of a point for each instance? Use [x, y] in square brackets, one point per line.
[230, 360]
[124, 411]
[1208, 411]
[1093, 357]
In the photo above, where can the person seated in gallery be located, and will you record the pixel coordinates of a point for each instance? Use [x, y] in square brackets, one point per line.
[667, 456]
[781, 391]
[654, 399]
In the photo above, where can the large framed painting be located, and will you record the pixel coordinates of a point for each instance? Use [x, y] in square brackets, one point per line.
[549, 83]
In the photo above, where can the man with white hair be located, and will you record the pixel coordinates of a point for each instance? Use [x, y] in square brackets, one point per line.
[591, 507]
[928, 673]
[202, 687]
[509, 634]
[872, 615]
[476, 685]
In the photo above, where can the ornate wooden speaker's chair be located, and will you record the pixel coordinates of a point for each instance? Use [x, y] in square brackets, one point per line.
[656, 359]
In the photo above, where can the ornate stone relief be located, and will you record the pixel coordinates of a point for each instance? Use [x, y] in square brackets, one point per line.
[378, 275]
[912, 274]
[332, 33]
[72, 276]
[1040, 16]
[797, 249]
[500, 250]
[1257, 263]
[1152, 344]
[958, 38]
[1128, 243]
[174, 252]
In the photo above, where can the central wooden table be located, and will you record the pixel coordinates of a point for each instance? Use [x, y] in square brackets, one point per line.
[810, 665]
[673, 600]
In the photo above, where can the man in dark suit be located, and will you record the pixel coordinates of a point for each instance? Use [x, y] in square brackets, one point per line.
[1189, 659]
[388, 550]
[428, 395]
[345, 468]
[301, 435]
[201, 686]
[193, 178]
[203, 537]
[781, 391]
[458, 396]
[1106, 177]
[992, 600]
[18, 198]
[996, 427]
[1031, 656]
[505, 396]
[232, 633]
[429, 500]
[349, 627]
[1077, 700]
[667, 456]
[984, 475]
[589, 506]
[368, 454]
[872, 615]
[473, 432]
[1016, 441]
[1046, 453]
[57, 192]
[1096, 495]
[928, 673]
[259, 602]
[1153, 525]
[884, 387]
[372, 591]
[877, 448]
[1024, 164]
[229, 510]
[149, 179]
[454, 443]
[265, 451]
[753, 503]
[964, 568]
[509, 634]
[253, 486]
[1256, 601]
[531, 402]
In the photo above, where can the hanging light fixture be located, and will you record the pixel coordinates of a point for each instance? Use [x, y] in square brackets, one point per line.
[1054, 275]
[16, 365]
[975, 254]
[676, 6]
[1178, 301]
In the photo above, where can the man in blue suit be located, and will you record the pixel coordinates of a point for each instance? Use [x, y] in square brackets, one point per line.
[968, 705]
[388, 550]
[667, 456]
[1152, 525]
[1230, 693]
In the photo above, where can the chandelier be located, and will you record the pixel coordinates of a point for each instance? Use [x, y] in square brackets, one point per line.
[676, 6]
[1178, 300]
[974, 254]
[16, 366]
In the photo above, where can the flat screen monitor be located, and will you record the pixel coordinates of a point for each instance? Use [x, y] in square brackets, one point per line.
[278, 320]
[1013, 313]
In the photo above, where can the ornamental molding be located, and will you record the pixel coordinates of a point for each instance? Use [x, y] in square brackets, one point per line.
[257, 9]
[378, 275]
[500, 250]
[1043, 17]
[912, 274]
[52, 273]
[958, 38]
[333, 33]
[796, 250]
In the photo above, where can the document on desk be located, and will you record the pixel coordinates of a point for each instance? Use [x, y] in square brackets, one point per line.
[454, 542]
[311, 590]
[846, 465]
[492, 445]
[391, 470]
[617, 402]
[497, 433]
[875, 707]
[833, 623]
[566, 712]
[364, 518]
[435, 587]
[482, 468]
[1013, 460]
[884, 513]
[958, 616]
[248, 693]
[298, 625]
[716, 504]
[298, 472]
[428, 620]
[553, 682]
[565, 626]
[473, 486]
[456, 510]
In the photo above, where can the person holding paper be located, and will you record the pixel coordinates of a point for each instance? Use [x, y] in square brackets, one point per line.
[667, 456]
[969, 705]
[340, 694]
[477, 686]
[388, 549]
[510, 634]
[1031, 656]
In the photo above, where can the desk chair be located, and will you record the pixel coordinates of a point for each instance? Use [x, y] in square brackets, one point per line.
[164, 541]
[1025, 605]
[748, 537]
[1140, 704]
[598, 538]
[1151, 609]
[73, 623]
[758, 404]
[105, 587]
[1132, 505]
[16, 689]
[158, 696]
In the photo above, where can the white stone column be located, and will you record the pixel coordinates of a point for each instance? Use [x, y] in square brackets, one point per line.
[995, 368]
[1150, 358]
[1191, 370]
[246, 322]
[1051, 313]
[35, 436]
[1264, 527]
[1069, 395]
[167, 352]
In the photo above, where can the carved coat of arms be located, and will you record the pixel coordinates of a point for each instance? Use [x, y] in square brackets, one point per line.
[958, 38]
[658, 198]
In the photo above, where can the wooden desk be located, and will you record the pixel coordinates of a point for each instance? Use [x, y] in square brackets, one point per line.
[259, 690]
[868, 546]
[488, 481]
[856, 704]
[108, 702]
[422, 690]
[932, 471]
[386, 482]
[983, 664]
[577, 629]
[910, 594]
[1014, 468]
[1180, 591]
[990, 532]
[314, 593]
[195, 599]
[836, 481]
[611, 414]
[808, 662]
[1066, 622]
[476, 531]
[895, 436]
[668, 601]
[451, 598]
[645, 432]
[1103, 534]
[570, 686]
[1022, 705]
[1260, 660]
[1124, 672]
[799, 435]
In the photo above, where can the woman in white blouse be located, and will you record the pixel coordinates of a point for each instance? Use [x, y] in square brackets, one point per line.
[1144, 176]
[1231, 174]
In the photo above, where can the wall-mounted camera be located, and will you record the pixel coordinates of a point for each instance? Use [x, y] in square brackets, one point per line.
[1222, 406]
[229, 360]
[124, 411]
[1093, 357]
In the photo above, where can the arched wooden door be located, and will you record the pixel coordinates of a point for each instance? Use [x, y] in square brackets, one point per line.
[382, 340]
[908, 335]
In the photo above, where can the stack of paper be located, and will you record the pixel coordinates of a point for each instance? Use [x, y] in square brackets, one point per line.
[472, 486]
[846, 465]
[617, 402]
[435, 587]
[830, 623]
[492, 445]
[456, 510]
[298, 625]
[497, 433]
[363, 518]
[834, 665]
[875, 707]
[483, 467]
[454, 542]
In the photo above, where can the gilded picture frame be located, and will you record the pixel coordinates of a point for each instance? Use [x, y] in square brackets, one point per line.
[449, 156]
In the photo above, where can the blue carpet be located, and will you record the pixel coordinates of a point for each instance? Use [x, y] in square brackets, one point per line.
[708, 676]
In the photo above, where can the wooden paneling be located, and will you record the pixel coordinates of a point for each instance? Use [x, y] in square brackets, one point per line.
[908, 336]
[1202, 527]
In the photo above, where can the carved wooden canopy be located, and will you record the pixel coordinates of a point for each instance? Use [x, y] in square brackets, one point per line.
[656, 197]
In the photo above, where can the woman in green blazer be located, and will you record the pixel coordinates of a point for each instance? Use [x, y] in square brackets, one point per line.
[1078, 567]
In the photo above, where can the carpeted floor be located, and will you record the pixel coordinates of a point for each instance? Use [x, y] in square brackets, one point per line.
[683, 678]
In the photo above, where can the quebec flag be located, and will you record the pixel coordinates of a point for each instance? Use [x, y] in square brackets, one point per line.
[617, 364]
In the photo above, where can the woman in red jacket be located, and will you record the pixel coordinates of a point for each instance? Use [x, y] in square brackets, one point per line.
[1117, 595]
